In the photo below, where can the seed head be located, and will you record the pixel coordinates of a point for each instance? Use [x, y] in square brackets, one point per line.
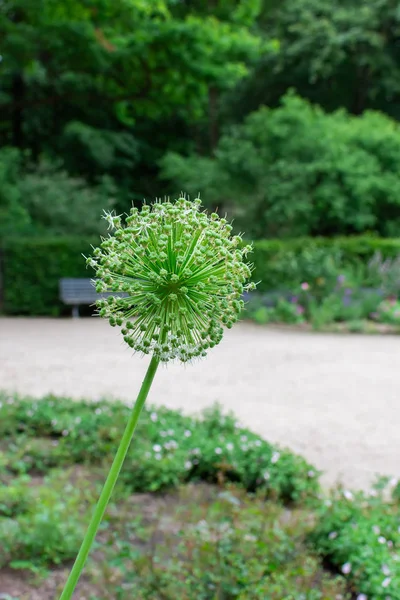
[182, 276]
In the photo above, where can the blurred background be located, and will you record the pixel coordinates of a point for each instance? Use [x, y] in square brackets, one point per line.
[281, 114]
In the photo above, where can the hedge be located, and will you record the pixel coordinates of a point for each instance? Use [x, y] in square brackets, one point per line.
[33, 267]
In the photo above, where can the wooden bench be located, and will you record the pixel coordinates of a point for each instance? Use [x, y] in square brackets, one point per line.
[75, 292]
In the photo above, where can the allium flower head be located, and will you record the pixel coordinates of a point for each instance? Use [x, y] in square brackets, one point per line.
[181, 275]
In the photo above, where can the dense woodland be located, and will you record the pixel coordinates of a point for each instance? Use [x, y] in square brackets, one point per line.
[283, 114]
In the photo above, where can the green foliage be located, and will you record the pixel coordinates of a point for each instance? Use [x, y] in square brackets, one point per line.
[280, 265]
[359, 535]
[42, 198]
[44, 523]
[104, 87]
[296, 170]
[352, 44]
[229, 546]
[31, 286]
[170, 448]
[388, 311]
[13, 217]
[284, 264]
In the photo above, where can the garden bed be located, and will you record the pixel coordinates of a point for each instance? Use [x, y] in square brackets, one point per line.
[204, 509]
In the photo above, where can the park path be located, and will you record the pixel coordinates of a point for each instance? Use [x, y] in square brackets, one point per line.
[333, 398]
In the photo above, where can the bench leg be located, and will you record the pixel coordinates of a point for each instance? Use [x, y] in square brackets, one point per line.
[75, 312]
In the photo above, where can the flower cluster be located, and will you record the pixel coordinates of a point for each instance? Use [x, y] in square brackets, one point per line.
[176, 277]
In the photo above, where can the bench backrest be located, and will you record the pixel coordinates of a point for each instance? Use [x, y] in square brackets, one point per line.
[77, 291]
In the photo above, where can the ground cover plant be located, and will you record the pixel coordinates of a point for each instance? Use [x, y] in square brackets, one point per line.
[250, 516]
[54, 453]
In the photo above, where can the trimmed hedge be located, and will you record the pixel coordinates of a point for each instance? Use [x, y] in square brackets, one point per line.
[32, 267]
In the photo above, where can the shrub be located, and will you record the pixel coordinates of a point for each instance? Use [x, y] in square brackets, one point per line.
[359, 535]
[32, 268]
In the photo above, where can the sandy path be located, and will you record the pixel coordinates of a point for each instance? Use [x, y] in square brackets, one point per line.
[333, 398]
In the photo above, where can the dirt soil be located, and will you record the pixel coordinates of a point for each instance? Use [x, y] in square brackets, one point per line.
[333, 398]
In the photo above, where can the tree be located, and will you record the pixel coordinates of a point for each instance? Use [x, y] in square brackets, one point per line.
[296, 170]
[107, 85]
[337, 54]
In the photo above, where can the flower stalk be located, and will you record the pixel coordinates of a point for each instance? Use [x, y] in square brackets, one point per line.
[110, 482]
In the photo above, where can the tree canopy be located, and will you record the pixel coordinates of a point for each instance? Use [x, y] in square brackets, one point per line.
[115, 100]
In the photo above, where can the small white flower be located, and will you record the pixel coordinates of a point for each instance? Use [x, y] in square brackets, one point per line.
[333, 535]
[258, 443]
[157, 456]
[348, 495]
[373, 493]
[362, 597]
[157, 448]
[153, 417]
[65, 432]
[54, 422]
[390, 544]
[376, 529]
[275, 457]
[229, 446]
[163, 433]
[346, 568]
[170, 432]
[188, 465]
[98, 411]
[54, 443]
[188, 433]
[381, 539]
[196, 451]
[385, 570]
[218, 450]
[386, 582]
[266, 476]
[243, 438]
[393, 482]
[78, 420]
[311, 473]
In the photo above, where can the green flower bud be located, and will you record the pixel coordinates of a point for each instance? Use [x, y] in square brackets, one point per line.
[182, 275]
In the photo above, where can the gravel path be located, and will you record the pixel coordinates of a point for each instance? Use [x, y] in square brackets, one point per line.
[332, 398]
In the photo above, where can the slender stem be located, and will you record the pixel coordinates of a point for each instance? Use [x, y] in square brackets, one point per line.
[110, 482]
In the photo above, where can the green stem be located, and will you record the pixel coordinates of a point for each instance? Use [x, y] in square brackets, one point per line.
[110, 482]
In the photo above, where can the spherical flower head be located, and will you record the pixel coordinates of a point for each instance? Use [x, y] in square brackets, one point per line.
[178, 277]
